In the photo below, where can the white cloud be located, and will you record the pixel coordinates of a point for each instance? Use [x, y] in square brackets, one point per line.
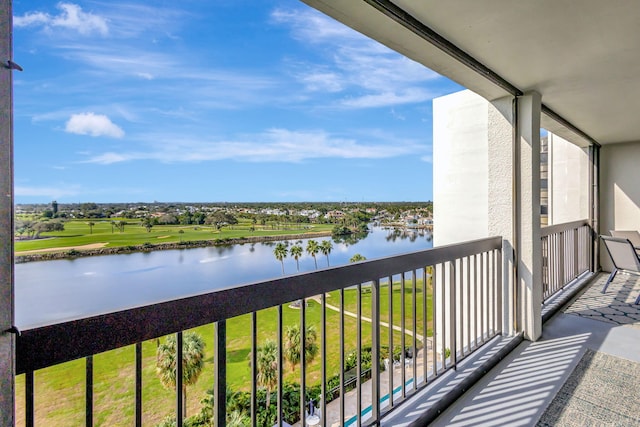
[387, 98]
[93, 125]
[71, 17]
[314, 27]
[274, 145]
[356, 64]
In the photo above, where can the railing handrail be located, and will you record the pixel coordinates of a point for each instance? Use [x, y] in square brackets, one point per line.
[49, 345]
[558, 228]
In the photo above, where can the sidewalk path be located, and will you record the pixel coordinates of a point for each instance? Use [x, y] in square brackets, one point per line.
[367, 319]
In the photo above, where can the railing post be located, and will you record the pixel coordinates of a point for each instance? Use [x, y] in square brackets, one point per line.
[220, 374]
[7, 339]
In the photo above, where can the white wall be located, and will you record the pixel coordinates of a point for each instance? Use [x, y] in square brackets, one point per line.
[619, 190]
[460, 168]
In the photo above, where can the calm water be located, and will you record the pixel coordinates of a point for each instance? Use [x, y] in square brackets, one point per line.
[53, 291]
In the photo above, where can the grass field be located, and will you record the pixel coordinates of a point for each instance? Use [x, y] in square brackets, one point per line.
[59, 390]
[77, 233]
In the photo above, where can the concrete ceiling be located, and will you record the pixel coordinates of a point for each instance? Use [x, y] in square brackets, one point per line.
[583, 56]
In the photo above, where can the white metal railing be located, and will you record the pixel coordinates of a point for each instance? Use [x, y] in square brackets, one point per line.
[566, 254]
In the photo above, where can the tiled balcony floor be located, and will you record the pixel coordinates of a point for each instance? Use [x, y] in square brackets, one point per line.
[519, 389]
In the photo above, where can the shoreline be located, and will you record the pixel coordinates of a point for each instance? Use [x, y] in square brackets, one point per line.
[52, 254]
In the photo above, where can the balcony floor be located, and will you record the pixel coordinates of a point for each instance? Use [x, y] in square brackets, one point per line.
[519, 389]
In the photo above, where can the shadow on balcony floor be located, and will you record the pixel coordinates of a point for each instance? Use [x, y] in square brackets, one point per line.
[520, 388]
[615, 306]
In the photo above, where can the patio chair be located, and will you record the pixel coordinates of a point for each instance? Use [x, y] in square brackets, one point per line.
[624, 257]
[632, 235]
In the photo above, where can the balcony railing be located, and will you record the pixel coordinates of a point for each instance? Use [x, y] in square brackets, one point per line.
[566, 254]
[432, 307]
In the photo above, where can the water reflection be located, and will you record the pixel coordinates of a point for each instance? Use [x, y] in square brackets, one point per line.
[53, 291]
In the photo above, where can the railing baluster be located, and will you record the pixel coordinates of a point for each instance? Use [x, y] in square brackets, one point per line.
[403, 346]
[303, 361]
[434, 348]
[29, 407]
[453, 330]
[425, 335]
[468, 304]
[443, 314]
[375, 350]
[575, 254]
[390, 373]
[482, 286]
[138, 420]
[179, 376]
[359, 355]
[220, 374]
[323, 357]
[280, 361]
[88, 390]
[342, 357]
[254, 369]
[414, 346]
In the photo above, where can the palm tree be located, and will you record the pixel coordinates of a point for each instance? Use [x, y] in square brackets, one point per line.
[91, 224]
[357, 258]
[296, 253]
[113, 224]
[121, 225]
[281, 253]
[181, 232]
[312, 249]
[192, 363]
[325, 248]
[267, 367]
[292, 345]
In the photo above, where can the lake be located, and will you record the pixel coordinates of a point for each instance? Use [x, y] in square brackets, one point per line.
[54, 291]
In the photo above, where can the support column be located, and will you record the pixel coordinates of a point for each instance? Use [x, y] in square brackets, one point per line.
[529, 251]
[501, 195]
[594, 204]
[7, 341]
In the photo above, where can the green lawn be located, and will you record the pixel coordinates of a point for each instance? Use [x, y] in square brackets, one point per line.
[78, 233]
[59, 390]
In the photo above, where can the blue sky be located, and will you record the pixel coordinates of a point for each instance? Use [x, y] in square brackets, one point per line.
[226, 100]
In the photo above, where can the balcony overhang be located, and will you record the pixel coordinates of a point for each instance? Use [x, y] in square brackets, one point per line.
[582, 60]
